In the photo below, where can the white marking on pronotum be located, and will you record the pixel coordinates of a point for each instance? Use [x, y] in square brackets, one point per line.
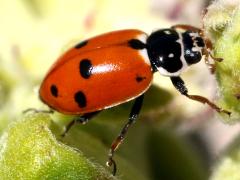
[171, 55]
[143, 52]
[183, 60]
[195, 47]
[164, 72]
[167, 32]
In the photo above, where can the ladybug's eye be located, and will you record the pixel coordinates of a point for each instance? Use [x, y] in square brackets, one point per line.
[54, 90]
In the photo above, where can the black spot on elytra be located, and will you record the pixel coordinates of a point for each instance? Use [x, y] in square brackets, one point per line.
[80, 99]
[85, 68]
[140, 78]
[54, 90]
[81, 44]
[136, 44]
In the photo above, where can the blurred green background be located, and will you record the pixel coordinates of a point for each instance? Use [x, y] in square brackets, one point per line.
[174, 138]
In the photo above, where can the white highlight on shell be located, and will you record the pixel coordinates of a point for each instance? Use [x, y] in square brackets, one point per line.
[103, 68]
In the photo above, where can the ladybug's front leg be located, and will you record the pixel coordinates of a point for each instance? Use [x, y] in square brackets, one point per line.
[180, 86]
[208, 55]
[82, 120]
[132, 117]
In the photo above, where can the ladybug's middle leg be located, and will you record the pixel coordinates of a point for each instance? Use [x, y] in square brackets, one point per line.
[132, 118]
[81, 119]
[180, 86]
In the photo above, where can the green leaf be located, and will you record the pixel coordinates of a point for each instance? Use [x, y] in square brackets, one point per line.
[222, 22]
[28, 150]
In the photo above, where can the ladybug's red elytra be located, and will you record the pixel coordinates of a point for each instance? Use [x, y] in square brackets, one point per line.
[117, 67]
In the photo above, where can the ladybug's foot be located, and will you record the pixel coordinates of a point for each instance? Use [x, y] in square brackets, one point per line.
[210, 60]
[110, 163]
[114, 147]
[216, 58]
[211, 66]
[67, 128]
[37, 111]
[205, 100]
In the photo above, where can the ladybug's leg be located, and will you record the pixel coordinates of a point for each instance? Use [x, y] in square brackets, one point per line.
[180, 86]
[81, 119]
[211, 65]
[37, 111]
[208, 56]
[132, 117]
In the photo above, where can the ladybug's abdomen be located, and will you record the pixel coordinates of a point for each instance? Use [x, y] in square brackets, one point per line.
[97, 79]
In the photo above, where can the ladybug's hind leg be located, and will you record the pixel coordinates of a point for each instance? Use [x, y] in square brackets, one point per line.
[132, 118]
[180, 86]
[81, 119]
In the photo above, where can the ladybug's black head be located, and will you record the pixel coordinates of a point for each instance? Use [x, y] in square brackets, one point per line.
[193, 45]
[171, 52]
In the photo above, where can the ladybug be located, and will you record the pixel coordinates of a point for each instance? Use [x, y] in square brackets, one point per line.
[118, 67]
